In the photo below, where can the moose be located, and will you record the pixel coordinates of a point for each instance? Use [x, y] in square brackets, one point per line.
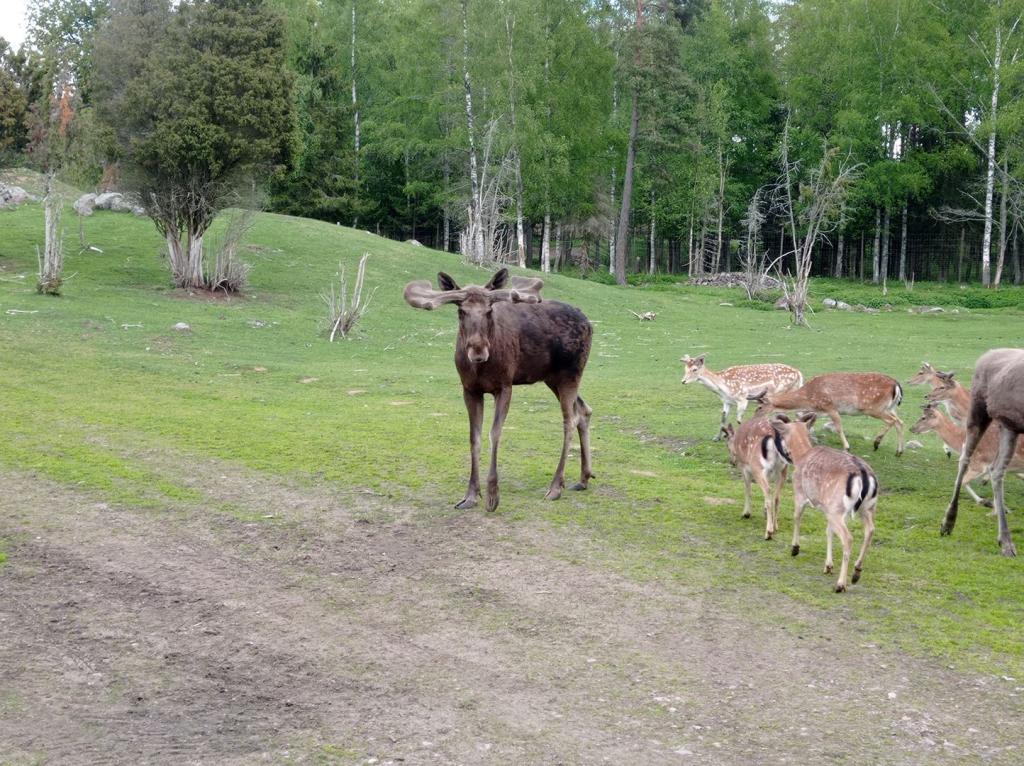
[997, 394]
[508, 337]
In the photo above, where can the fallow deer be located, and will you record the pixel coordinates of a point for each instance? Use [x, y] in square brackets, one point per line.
[952, 435]
[837, 483]
[997, 394]
[866, 393]
[509, 337]
[929, 376]
[735, 384]
[752, 450]
[950, 394]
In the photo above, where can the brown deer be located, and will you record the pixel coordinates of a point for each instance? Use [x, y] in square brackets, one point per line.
[735, 384]
[929, 376]
[509, 337]
[997, 394]
[836, 483]
[752, 450]
[866, 393]
[951, 395]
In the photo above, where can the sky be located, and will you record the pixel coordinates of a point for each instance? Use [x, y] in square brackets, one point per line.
[12, 21]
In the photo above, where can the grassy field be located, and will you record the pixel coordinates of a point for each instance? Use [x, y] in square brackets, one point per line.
[255, 381]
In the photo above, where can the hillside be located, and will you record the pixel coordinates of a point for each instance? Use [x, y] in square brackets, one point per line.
[110, 410]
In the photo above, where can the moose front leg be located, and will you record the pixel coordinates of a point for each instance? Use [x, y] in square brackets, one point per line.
[475, 408]
[502, 400]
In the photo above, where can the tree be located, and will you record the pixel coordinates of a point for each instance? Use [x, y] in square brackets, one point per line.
[209, 112]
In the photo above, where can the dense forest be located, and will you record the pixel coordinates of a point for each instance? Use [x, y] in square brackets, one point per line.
[609, 138]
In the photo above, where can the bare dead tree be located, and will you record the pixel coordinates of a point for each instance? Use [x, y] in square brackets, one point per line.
[489, 218]
[343, 313]
[230, 273]
[811, 202]
[51, 259]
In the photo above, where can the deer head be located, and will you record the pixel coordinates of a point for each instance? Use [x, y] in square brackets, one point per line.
[476, 304]
[693, 366]
[928, 421]
[793, 434]
[728, 434]
[924, 375]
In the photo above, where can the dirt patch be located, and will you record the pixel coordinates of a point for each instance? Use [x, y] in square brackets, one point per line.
[351, 628]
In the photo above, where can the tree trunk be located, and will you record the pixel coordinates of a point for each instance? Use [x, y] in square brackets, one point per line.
[1004, 234]
[838, 272]
[51, 264]
[689, 250]
[558, 245]
[1017, 275]
[721, 207]
[355, 108]
[884, 265]
[990, 172]
[195, 276]
[545, 247]
[510, 25]
[960, 256]
[475, 227]
[447, 217]
[627, 195]
[875, 260]
[861, 268]
[652, 266]
[903, 246]
[611, 235]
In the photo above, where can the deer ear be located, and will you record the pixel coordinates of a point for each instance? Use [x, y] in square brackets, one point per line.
[686, 358]
[809, 418]
[498, 280]
[445, 282]
[699, 359]
[781, 417]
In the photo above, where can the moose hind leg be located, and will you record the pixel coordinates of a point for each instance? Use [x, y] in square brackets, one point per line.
[567, 398]
[1007, 446]
[583, 413]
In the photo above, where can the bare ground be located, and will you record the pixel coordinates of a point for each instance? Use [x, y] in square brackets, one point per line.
[311, 626]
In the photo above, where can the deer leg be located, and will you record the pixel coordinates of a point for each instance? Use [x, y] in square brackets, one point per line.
[867, 518]
[766, 489]
[798, 511]
[567, 398]
[746, 493]
[891, 421]
[502, 400]
[779, 483]
[583, 413]
[741, 407]
[972, 473]
[838, 524]
[725, 419]
[838, 425]
[828, 549]
[976, 426]
[475, 408]
[1007, 446]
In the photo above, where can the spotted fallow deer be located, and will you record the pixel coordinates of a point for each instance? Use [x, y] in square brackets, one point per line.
[509, 337]
[929, 376]
[866, 393]
[752, 450]
[997, 394]
[734, 385]
[952, 435]
[836, 483]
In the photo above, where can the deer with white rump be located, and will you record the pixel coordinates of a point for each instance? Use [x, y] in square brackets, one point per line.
[836, 483]
[752, 449]
[865, 393]
[734, 385]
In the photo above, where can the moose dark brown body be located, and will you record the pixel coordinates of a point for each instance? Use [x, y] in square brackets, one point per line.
[509, 337]
[997, 394]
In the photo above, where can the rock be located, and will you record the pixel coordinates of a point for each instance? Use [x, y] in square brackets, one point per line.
[733, 279]
[12, 196]
[415, 242]
[866, 309]
[926, 310]
[107, 200]
[85, 204]
[782, 304]
[725, 303]
[843, 306]
[829, 303]
[914, 444]
[182, 327]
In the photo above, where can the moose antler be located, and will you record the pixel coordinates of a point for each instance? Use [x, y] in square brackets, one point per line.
[422, 295]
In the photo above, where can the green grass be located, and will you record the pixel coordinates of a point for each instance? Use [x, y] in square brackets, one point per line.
[385, 412]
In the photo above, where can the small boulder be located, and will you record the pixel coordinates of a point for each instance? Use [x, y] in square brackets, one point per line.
[829, 303]
[12, 196]
[414, 242]
[914, 444]
[85, 204]
[843, 306]
[782, 304]
[182, 327]
[107, 200]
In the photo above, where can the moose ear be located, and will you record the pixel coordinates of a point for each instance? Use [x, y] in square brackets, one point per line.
[445, 282]
[498, 280]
